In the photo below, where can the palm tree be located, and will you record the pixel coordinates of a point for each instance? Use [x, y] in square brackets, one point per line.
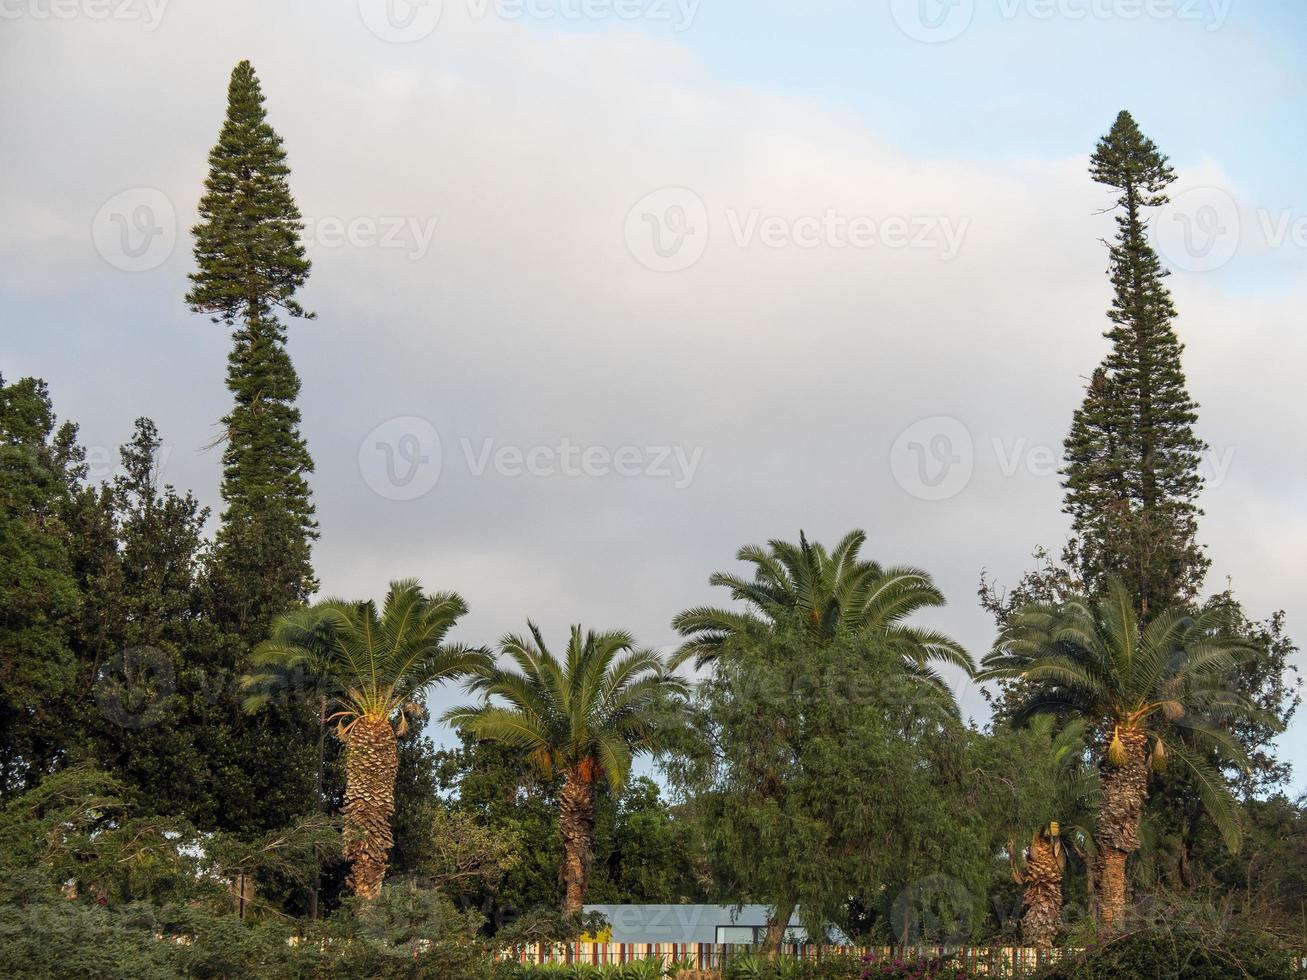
[832, 591]
[1057, 754]
[375, 666]
[835, 593]
[1152, 694]
[584, 717]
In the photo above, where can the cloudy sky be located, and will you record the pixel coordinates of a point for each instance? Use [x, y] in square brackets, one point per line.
[608, 288]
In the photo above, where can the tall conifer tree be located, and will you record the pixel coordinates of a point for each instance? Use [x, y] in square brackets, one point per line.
[1131, 472]
[39, 466]
[250, 263]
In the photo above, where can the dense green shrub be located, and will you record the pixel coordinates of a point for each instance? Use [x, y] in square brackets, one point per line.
[1185, 955]
[645, 969]
[871, 967]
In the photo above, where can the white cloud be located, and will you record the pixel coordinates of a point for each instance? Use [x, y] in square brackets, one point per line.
[528, 320]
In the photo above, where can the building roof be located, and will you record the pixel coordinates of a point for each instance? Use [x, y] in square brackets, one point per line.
[692, 923]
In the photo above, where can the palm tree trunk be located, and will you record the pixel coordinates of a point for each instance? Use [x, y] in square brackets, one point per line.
[1120, 808]
[1042, 897]
[576, 822]
[371, 763]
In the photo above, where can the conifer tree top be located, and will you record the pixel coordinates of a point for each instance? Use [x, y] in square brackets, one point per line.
[1131, 473]
[248, 252]
[1127, 159]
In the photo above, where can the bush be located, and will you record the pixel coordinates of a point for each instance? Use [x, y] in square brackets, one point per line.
[1190, 955]
[870, 967]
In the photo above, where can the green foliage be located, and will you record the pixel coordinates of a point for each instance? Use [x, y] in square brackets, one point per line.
[905, 966]
[651, 968]
[602, 703]
[1187, 954]
[1092, 659]
[157, 698]
[834, 593]
[646, 851]
[248, 252]
[1131, 472]
[39, 466]
[507, 795]
[460, 852]
[86, 837]
[826, 776]
[249, 263]
[369, 662]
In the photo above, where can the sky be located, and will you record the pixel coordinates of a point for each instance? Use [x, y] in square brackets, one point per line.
[606, 289]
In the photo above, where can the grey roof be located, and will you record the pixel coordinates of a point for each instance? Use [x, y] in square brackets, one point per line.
[688, 923]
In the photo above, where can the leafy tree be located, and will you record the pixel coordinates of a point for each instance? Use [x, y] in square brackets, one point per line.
[646, 851]
[417, 793]
[1132, 480]
[499, 787]
[1051, 807]
[584, 717]
[833, 596]
[39, 598]
[833, 592]
[374, 664]
[249, 264]
[139, 568]
[462, 851]
[827, 780]
[1131, 472]
[1136, 686]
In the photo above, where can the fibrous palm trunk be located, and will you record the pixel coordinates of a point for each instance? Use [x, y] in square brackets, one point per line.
[1042, 895]
[371, 763]
[1124, 788]
[576, 823]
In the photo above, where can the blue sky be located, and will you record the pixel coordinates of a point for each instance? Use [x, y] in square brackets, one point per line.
[1214, 77]
[522, 155]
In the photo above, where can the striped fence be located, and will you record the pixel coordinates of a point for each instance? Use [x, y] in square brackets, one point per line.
[1007, 961]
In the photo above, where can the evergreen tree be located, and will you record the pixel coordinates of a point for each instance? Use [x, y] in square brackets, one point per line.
[250, 262]
[157, 701]
[39, 465]
[1131, 472]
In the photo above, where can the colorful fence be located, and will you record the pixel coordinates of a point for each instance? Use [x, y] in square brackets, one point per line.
[1009, 961]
